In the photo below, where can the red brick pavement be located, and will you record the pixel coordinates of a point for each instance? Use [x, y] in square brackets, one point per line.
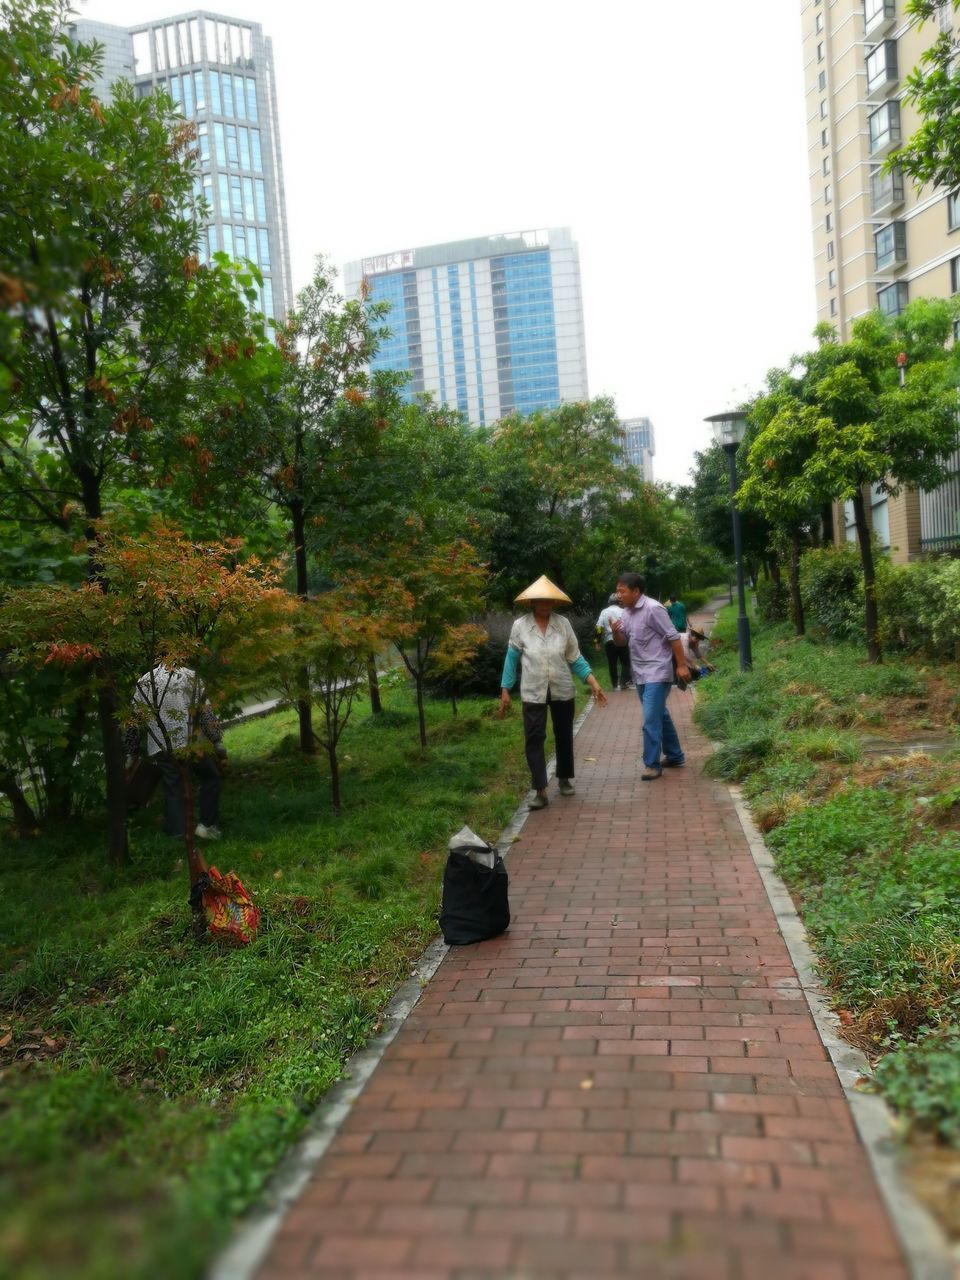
[627, 1084]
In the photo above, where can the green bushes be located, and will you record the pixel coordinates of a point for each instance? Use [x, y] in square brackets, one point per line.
[773, 601]
[919, 606]
[831, 585]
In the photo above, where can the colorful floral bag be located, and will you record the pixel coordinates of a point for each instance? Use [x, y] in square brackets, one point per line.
[229, 910]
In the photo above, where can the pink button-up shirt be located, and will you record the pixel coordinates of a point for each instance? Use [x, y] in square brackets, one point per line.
[649, 633]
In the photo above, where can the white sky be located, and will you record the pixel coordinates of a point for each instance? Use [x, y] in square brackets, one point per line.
[670, 137]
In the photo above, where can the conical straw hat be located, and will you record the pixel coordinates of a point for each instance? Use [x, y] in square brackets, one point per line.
[543, 589]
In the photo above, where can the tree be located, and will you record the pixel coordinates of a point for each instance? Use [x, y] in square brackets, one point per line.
[167, 601]
[558, 478]
[443, 587]
[708, 500]
[108, 322]
[932, 155]
[853, 426]
[322, 425]
[776, 484]
[335, 635]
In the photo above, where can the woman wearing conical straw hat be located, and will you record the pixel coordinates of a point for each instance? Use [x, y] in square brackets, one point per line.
[544, 646]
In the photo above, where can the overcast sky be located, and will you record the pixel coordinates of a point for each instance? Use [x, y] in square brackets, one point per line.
[670, 137]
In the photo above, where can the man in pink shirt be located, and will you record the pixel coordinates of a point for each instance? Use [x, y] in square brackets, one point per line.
[654, 642]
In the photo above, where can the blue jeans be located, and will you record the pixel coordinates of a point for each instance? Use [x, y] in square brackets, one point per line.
[659, 731]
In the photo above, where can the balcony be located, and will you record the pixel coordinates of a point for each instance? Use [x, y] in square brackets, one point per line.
[879, 16]
[890, 244]
[882, 69]
[886, 190]
[884, 127]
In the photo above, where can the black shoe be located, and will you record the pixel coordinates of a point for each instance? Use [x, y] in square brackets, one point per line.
[672, 764]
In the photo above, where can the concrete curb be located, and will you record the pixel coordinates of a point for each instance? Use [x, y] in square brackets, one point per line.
[242, 1257]
[928, 1253]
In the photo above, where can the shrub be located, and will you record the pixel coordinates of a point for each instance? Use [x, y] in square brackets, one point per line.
[831, 586]
[923, 1079]
[773, 601]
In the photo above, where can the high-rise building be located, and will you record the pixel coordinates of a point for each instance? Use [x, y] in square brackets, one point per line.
[219, 72]
[491, 326]
[878, 240]
[638, 445]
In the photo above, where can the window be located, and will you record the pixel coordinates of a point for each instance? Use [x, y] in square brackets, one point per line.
[226, 89]
[877, 12]
[261, 199]
[826, 165]
[199, 86]
[216, 105]
[220, 145]
[244, 136]
[248, 212]
[203, 142]
[238, 97]
[228, 239]
[881, 66]
[890, 244]
[828, 222]
[822, 81]
[173, 57]
[824, 137]
[830, 251]
[819, 21]
[236, 197]
[823, 108]
[255, 150]
[886, 189]
[141, 53]
[832, 278]
[264, 239]
[233, 154]
[827, 194]
[884, 126]
[188, 110]
[953, 210]
[893, 298]
[819, 52]
[224, 182]
[252, 100]
[159, 50]
[955, 275]
[956, 330]
[833, 306]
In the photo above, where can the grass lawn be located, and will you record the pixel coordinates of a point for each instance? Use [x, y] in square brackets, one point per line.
[150, 1082]
[866, 832]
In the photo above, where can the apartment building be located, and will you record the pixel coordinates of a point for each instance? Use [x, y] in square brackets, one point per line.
[878, 240]
[490, 326]
[219, 72]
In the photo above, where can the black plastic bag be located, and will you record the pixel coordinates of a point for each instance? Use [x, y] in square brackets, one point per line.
[475, 903]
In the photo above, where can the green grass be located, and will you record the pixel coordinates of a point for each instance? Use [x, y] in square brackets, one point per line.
[870, 853]
[167, 1076]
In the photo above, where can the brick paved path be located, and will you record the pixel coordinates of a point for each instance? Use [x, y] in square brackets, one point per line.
[628, 1084]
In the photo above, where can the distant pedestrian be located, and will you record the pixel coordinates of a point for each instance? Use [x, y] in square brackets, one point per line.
[544, 646]
[177, 711]
[677, 611]
[654, 643]
[618, 658]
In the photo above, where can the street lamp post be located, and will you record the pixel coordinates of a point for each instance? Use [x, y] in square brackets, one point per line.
[728, 431]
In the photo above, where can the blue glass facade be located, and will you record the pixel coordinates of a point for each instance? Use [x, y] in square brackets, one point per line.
[525, 332]
[501, 316]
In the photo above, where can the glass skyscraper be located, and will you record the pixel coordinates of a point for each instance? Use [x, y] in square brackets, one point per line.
[219, 72]
[638, 445]
[490, 326]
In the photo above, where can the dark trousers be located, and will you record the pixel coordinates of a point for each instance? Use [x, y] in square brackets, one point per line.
[618, 654]
[206, 778]
[535, 735]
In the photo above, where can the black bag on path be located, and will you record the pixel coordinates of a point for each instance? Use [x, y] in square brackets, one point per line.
[475, 904]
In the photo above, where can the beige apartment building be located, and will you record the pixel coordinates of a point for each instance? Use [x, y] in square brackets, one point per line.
[878, 240]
